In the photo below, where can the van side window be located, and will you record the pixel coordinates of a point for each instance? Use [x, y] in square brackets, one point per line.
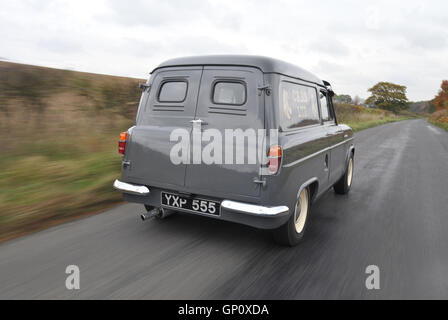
[172, 91]
[298, 105]
[232, 93]
[324, 107]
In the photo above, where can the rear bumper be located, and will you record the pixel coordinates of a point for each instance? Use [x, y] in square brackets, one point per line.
[253, 209]
[131, 188]
[263, 217]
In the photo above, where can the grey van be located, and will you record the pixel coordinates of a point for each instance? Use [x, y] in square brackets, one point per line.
[313, 152]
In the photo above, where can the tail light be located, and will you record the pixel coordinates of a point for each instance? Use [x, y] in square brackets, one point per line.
[274, 159]
[122, 142]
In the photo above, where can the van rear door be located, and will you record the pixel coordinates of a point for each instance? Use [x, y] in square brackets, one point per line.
[228, 99]
[171, 105]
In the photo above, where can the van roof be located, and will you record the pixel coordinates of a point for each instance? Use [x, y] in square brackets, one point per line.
[265, 64]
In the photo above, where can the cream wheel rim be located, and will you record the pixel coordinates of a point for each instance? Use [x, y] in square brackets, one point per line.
[350, 172]
[301, 211]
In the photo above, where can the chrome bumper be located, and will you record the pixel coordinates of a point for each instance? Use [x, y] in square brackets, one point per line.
[228, 205]
[253, 209]
[131, 188]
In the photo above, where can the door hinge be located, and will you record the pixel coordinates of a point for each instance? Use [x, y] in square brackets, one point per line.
[260, 181]
[126, 164]
[144, 86]
[266, 88]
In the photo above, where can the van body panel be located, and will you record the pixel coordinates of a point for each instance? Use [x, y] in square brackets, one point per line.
[233, 178]
[337, 153]
[149, 147]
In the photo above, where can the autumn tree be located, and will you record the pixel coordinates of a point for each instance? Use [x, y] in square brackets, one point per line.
[342, 98]
[440, 102]
[388, 96]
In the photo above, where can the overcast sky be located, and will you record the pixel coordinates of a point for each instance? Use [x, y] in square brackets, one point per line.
[352, 44]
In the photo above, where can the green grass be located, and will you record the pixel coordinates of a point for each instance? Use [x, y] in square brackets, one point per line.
[360, 118]
[46, 186]
[358, 126]
[440, 119]
[440, 124]
[60, 156]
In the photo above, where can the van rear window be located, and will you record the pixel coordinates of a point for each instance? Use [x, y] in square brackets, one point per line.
[232, 93]
[173, 91]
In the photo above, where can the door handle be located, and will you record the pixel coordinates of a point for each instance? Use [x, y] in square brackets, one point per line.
[202, 122]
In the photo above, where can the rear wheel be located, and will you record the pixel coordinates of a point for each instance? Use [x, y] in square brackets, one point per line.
[292, 232]
[344, 184]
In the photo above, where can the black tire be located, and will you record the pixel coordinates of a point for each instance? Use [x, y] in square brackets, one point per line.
[292, 232]
[345, 183]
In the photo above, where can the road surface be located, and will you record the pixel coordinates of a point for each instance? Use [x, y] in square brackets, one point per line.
[395, 217]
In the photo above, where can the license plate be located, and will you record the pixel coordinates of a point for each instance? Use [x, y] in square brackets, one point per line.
[202, 206]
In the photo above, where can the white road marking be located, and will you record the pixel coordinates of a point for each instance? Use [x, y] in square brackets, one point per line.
[433, 130]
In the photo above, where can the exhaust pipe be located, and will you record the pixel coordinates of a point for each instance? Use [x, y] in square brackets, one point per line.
[166, 213]
[151, 214]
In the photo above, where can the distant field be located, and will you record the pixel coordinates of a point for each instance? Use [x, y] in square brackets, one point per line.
[60, 130]
[360, 118]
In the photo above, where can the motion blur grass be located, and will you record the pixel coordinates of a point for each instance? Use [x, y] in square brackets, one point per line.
[60, 130]
[43, 185]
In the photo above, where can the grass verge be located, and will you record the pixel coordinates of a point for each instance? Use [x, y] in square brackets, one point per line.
[360, 118]
[440, 119]
[57, 180]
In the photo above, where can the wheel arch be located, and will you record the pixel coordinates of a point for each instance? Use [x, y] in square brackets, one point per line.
[313, 187]
[351, 151]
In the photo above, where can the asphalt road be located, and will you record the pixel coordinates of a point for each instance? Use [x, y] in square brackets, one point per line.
[395, 217]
